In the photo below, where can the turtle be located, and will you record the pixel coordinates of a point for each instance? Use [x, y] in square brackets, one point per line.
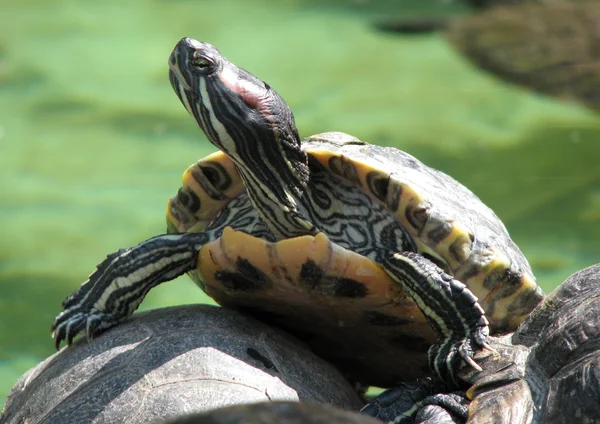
[388, 268]
[171, 362]
[544, 46]
[277, 412]
[547, 371]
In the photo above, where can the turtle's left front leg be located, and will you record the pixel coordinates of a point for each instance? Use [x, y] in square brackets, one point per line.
[450, 308]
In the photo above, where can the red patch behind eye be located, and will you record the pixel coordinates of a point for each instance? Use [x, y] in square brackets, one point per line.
[253, 95]
[251, 98]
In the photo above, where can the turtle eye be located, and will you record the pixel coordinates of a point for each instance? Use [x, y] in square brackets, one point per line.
[202, 63]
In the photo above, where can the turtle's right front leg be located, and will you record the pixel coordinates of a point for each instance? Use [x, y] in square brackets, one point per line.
[117, 287]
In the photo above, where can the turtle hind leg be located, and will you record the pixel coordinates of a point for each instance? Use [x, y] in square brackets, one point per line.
[120, 283]
[421, 402]
[450, 308]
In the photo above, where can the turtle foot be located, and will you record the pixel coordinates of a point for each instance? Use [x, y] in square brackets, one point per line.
[465, 332]
[73, 321]
[446, 356]
[424, 401]
[120, 283]
[80, 308]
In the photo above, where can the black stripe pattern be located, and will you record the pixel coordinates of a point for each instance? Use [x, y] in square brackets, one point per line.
[250, 122]
[118, 286]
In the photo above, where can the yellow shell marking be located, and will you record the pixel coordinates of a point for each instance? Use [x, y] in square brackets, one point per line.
[409, 202]
[283, 260]
[210, 206]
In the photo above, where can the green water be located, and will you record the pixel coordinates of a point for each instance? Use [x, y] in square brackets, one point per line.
[93, 141]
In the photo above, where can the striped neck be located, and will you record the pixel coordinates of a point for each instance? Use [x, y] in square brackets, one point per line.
[251, 123]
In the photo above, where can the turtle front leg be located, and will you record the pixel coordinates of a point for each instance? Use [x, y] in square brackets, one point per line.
[120, 283]
[450, 308]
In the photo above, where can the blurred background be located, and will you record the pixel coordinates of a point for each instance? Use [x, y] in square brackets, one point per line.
[93, 141]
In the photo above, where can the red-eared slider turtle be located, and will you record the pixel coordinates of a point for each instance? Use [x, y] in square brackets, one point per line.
[548, 371]
[339, 241]
[277, 413]
[170, 362]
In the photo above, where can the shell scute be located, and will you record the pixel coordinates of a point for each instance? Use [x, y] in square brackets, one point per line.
[208, 185]
[378, 183]
[341, 166]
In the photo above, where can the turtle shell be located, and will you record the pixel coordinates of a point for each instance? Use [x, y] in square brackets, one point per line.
[171, 362]
[548, 371]
[277, 413]
[341, 303]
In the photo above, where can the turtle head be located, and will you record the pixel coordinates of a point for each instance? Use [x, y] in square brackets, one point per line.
[239, 113]
[246, 119]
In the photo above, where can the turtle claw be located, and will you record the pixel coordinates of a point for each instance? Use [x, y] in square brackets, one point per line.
[446, 356]
[65, 327]
[80, 311]
[70, 323]
[469, 360]
[489, 348]
[91, 327]
[70, 334]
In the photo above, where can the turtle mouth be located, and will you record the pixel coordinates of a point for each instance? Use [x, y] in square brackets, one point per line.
[175, 75]
[178, 82]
